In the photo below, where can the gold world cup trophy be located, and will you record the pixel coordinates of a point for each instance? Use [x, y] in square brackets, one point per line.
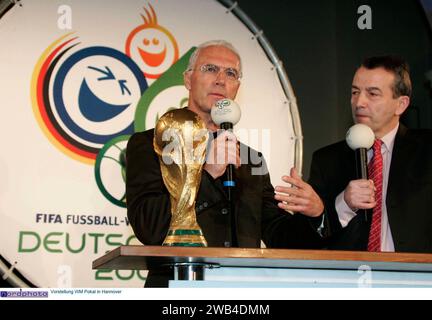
[180, 142]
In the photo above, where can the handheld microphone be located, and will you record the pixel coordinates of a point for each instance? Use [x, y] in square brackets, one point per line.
[226, 113]
[360, 138]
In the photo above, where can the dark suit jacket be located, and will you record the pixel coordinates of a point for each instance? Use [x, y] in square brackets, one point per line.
[257, 215]
[409, 192]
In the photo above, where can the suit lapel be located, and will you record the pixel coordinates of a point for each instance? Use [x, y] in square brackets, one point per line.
[402, 150]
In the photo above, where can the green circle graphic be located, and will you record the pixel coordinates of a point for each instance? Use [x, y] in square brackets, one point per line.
[121, 161]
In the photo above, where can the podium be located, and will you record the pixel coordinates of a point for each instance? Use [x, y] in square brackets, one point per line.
[244, 267]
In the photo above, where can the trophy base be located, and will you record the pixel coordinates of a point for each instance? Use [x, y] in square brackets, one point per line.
[185, 238]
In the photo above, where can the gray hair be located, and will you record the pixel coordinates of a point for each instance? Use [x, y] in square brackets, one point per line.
[222, 43]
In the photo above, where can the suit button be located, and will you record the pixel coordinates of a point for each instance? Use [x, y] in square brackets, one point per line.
[224, 211]
[205, 204]
[227, 244]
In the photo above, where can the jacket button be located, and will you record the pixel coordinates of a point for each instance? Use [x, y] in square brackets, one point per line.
[227, 244]
[224, 211]
[205, 204]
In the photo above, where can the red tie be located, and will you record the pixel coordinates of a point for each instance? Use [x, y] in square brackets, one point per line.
[375, 169]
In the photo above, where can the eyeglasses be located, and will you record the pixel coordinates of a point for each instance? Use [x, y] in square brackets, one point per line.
[231, 74]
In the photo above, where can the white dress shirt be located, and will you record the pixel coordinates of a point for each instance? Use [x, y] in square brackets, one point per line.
[346, 214]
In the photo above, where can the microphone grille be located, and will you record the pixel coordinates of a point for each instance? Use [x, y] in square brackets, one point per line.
[225, 110]
[360, 136]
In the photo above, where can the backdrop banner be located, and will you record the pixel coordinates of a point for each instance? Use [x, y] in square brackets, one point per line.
[77, 79]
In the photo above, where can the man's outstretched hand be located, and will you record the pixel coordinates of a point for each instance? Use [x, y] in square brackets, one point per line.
[300, 197]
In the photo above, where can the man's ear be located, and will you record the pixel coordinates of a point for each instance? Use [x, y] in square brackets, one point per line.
[187, 79]
[403, 103]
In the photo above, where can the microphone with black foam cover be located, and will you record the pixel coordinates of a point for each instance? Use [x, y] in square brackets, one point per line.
[226, 113]
[360, 138]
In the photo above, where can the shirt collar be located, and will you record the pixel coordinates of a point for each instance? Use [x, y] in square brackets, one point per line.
[389, 139]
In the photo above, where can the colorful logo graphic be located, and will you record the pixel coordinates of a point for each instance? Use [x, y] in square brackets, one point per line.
[152, 46]
[164, 94]
[110, 170]
[84, 99]
[88, 100]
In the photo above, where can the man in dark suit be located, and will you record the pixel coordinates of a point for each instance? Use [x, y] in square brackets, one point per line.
[399, 192]
[213, 73]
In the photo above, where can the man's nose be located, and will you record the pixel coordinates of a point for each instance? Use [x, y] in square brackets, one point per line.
[221, 78]
[360, 101]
